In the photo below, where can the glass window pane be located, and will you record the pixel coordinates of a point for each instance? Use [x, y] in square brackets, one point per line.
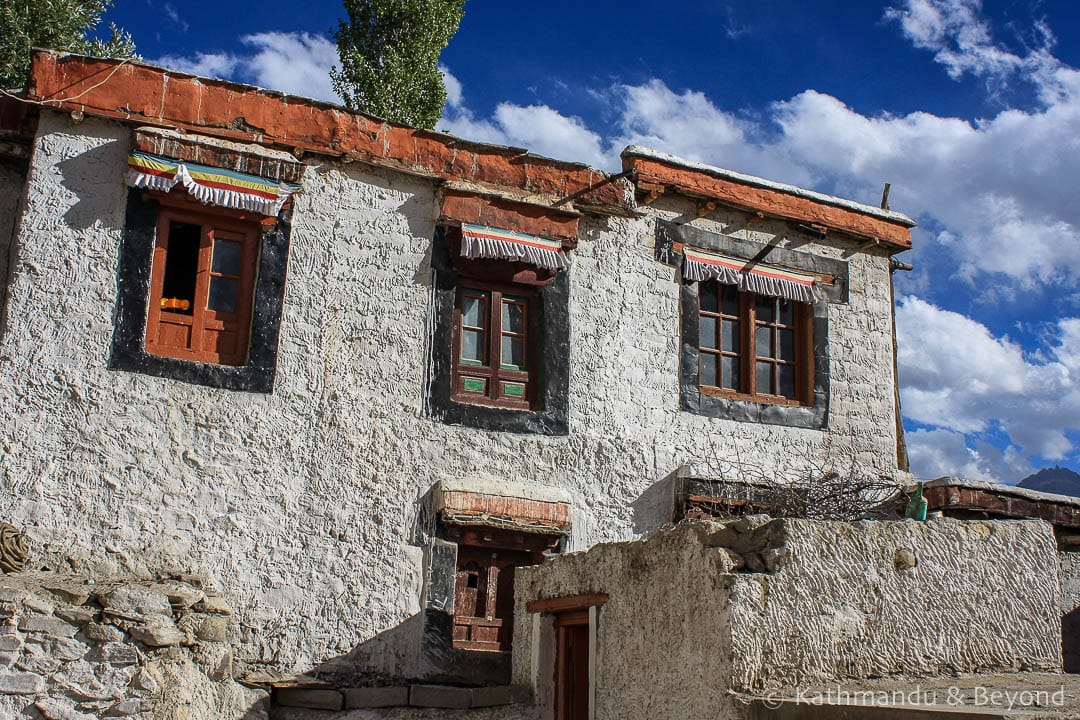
[764, 378]
[730, 335]
[730, 371]
[763, 342]
[787, 345]
[223, 292]
[472, 311]
[708, 370]
[472, 345]
[513, 317]
[707, 296]
[787, 380]
[787, 312]
[227, 255]
[764, 307]
[731, 300]
[707, 331]
[513, 352]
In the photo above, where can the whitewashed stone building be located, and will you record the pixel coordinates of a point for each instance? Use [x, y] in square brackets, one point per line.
[353, 373]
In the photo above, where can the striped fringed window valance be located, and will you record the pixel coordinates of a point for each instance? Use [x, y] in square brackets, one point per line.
[486, 242]
[215, 186]
[749, 275]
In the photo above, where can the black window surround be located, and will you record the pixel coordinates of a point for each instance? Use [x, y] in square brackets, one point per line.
[811, 416]
[550, 412]
[133, 292]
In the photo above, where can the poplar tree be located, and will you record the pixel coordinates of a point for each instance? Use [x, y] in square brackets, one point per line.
[67, 25]
[389, 52]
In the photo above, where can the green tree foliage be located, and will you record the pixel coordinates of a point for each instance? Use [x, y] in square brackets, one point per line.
[389, 53]
[57, 24]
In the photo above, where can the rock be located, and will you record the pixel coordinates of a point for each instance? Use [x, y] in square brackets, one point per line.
[77, 615]
[156, 631]
[39, 604]
[69, 649]
[38, 664]
[60, 709]
[21, 683]
[214, 660]
[439, 696]
[94, 681]
[11, 594]
[125, 708]
[117, 653]
[376, 697]
[213, 603]
[98, 632]
[212, 628]
[729, 560]
[904, 559]
[51, 626]
[10, 643]
[315, 699]
[181, 595]
[71, 592]
[131, 602]
[146, 681]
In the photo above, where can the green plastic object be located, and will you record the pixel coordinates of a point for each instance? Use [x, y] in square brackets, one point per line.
[916, 509]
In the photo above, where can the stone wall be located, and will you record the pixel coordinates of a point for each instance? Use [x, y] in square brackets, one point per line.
[303, 502]
[75, 649]
[755, 605]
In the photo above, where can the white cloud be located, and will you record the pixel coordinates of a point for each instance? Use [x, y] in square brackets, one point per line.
[297, 63]
[957, 376]
[454, 95]
[216, 65]
[936, 453]
[538, 128]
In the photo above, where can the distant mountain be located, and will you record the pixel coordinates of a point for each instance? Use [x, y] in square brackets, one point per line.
[1057, 480]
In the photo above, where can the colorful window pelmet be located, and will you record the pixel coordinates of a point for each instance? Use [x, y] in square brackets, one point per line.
[210, 185]
[493, 243]
[749, 276]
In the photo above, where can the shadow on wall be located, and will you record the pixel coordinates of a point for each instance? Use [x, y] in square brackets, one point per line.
[95, 179]
[1070, 641]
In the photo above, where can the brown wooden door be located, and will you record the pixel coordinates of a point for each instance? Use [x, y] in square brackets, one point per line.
[572, 666]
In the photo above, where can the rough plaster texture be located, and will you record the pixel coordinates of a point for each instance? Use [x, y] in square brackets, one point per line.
[687, 619]
[74, 649]
[301, 505]
[663, 649]
[1070, 581]
[846, 607]
[11, 188]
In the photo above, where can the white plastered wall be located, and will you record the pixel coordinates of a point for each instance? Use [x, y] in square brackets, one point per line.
[301, 504]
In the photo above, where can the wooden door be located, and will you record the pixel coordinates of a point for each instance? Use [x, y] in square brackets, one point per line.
[572, 666]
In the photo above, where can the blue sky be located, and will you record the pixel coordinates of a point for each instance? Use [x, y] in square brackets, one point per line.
[969, 108]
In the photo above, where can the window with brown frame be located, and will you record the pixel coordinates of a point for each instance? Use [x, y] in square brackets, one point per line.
[495, 345]
[201, 286]
[754, 347]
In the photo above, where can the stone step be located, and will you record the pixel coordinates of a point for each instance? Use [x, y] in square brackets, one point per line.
[334, 699]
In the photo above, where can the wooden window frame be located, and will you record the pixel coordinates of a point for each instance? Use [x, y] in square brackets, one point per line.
[493, 556]
[491, 371]
[203, 322]
[748, 323]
